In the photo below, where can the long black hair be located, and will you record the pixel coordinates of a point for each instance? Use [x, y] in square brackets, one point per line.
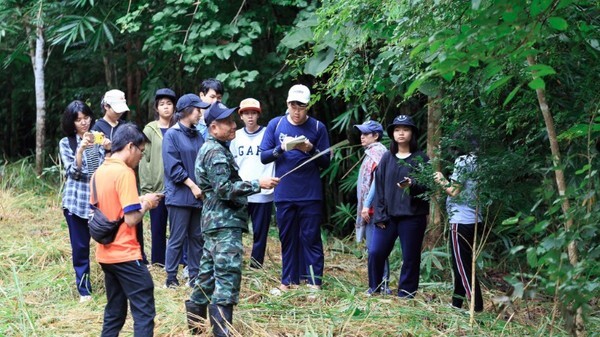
[72, 113]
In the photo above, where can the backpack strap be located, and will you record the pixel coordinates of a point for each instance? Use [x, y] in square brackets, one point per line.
[73, 143]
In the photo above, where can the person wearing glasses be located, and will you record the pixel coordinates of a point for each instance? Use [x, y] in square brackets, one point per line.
[289, 141]
[182, 194]
[126, 279]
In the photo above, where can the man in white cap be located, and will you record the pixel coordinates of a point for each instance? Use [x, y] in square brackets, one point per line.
[246, 152]
[113, 105]
[289, 141]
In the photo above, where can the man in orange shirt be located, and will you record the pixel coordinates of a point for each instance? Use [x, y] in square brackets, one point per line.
[125, 277]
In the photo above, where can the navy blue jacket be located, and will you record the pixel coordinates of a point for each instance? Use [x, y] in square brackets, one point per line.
[179, 150]
[102, 126]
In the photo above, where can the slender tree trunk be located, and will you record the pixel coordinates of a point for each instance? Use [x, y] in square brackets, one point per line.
[36, 52]
[560, 184]
[434, 115]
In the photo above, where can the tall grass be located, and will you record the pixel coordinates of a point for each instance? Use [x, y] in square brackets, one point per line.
[38, 295]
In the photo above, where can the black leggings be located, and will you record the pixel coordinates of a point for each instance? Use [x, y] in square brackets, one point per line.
[461, 245]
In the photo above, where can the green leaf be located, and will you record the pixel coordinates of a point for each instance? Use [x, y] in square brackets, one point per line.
[497, 84]
[537, 83]
[558, 23]
[511, 95]
[511, 221]
[298, 37]
[318, 63]
[538, 6]
[541, 70]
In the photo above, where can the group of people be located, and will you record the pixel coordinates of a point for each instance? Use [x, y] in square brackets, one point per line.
[204, 179]
[392, 205]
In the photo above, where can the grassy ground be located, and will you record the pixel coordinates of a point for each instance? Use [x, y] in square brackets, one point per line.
[38, 295]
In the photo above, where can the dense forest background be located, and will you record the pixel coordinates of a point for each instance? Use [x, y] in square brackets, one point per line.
[521, 76]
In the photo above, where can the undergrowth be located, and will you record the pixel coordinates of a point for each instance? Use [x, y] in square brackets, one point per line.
[38, 295]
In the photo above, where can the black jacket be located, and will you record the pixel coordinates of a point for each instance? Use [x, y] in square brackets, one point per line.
[393, 201]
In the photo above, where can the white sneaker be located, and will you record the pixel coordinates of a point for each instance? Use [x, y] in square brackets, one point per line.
[85, 298]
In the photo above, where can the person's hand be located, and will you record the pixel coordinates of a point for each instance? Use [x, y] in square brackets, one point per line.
[106, 144]
[440, 179]
[86, 141]
[285, 141]
[151, 199]
[268, 182]
[364, 213]
[305, 147]
[380, 225]
[406, 182]
[196, 191]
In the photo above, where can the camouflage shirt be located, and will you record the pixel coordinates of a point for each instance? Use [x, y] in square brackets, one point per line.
[225, 193]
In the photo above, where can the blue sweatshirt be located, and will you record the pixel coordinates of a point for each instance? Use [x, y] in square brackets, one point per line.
[179, 150]
[305, 183]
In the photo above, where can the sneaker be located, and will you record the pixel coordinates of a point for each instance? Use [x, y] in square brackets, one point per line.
[85, 298]
[313, 290]
[172, 283]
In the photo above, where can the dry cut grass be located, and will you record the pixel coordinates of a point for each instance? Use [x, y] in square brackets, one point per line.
[38, 295]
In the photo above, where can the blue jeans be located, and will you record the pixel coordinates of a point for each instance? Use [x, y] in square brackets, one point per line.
[79, 235]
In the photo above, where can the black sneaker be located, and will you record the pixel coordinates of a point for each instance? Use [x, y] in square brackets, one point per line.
[172, 283]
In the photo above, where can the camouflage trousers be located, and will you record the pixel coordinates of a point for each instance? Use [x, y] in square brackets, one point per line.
[220, 275]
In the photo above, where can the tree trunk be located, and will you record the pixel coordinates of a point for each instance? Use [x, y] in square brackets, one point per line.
[36, 52]
[434, 115]
[560, 184]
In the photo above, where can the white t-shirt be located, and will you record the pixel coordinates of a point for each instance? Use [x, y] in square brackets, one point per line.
[246, 151]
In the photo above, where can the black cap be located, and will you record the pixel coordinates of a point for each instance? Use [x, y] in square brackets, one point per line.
[190, 100]
[401, 120]
[165, 92]
[218, 111]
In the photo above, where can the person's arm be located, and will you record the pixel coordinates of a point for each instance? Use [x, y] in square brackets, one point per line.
[380, 216]
[72, 162]
[451, 188]
[321, 145]
[219, 177]
[172, 161]
[270, 150]
[364, 213]
[147, 202]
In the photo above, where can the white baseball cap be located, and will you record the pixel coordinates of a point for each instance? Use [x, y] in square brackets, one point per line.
[299, 93]
[116, 99]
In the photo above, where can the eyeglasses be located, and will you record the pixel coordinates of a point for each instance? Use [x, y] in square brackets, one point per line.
[141, 151]
[298, 105]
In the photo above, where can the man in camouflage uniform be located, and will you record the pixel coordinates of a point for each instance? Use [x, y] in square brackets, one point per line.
[224, 219]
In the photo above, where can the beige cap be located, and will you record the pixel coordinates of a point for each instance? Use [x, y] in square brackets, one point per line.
[250, 104]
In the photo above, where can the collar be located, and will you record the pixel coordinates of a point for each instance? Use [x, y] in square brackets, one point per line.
[190, 132]
[260, 127]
